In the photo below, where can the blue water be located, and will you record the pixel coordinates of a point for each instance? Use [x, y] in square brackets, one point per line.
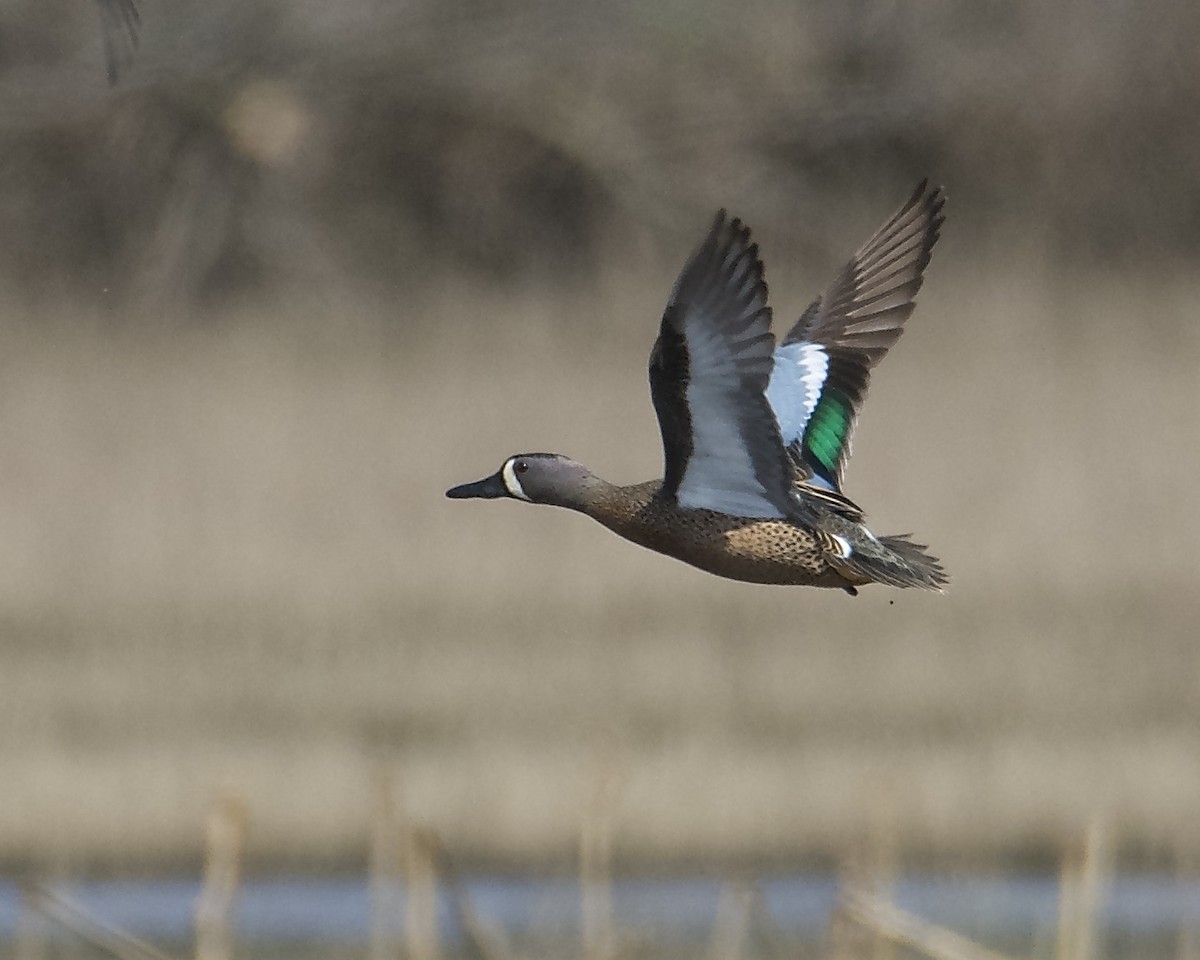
[338, 910]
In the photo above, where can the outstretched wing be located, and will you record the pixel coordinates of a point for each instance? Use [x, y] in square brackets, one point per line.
[708, 375]
[822, 368]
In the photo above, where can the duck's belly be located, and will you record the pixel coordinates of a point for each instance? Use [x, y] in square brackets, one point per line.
[754, 551]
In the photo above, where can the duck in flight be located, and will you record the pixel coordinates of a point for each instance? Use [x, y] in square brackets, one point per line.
[756, 435]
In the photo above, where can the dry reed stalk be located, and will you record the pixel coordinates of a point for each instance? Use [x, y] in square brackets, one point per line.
[595, 870]
[225, 843]
[732, 922]
[764, 928]
[383, 868]
[844, 938]
[883, 864]
[422, 937]
[1084, 881]
[30, 938]
[903, 928]
[100, 934]
[1187, 943]
[485, 941]
[871, 867]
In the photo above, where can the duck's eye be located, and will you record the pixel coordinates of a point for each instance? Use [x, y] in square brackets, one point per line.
[521, 466]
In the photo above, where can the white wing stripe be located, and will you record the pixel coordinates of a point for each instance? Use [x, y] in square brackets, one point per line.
[796, 380]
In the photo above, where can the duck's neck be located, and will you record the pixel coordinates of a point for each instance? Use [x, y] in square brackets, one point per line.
[616, 506]
[585, 494]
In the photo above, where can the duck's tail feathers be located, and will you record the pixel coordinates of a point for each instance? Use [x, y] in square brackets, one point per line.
[899, 562]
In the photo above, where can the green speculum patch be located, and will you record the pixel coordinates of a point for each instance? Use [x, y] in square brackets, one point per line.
[826, 432]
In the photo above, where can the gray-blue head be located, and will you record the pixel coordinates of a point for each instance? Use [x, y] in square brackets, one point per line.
[536, 478]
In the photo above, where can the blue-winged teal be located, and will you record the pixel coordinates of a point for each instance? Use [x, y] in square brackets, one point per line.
[756, 436]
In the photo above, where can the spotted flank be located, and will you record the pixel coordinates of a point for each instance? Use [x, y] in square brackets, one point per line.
[756, 434]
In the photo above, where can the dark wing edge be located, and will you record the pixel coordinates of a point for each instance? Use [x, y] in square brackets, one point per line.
[723, 282]
[857, 321]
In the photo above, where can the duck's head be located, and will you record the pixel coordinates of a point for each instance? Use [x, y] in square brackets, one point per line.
[535, 478]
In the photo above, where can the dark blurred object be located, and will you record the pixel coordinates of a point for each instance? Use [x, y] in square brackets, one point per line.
[121, 22]
[540, 141]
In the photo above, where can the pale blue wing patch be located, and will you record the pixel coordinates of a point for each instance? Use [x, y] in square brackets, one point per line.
[709, 371]
[721, 473]
[795, 386]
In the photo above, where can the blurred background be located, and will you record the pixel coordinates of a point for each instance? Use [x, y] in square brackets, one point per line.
[308, 264]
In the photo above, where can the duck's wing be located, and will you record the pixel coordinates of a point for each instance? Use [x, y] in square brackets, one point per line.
[822, 368]
[807, 492]
[708, 375]
[120, 22]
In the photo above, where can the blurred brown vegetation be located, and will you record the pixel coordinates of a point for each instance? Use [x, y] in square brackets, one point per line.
[256, 142]
[308, 264]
